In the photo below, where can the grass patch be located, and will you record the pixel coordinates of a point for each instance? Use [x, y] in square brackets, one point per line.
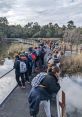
[72, 64]
[9, 49]
[17, 48]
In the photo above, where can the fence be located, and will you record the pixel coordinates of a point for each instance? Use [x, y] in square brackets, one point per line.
[61, 105]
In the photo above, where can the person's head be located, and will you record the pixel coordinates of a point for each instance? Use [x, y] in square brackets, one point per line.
[50, 54]
[56, 51]
[50, 63]
[35, 47]
[56, 71]
[61, 53]
[23, 58]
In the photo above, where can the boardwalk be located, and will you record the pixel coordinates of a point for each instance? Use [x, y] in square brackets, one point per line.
[16, 105]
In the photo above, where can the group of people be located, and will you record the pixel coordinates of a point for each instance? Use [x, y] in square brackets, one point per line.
[45, 84]
[27, 63]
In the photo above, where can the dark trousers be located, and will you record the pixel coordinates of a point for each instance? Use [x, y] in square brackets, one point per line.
[22, 78]
[18, 79]
[30, 71]
[26, 76]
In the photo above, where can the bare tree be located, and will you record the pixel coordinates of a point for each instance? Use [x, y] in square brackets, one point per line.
[72, 37]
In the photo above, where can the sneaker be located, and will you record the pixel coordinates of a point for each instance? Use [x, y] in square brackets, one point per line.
[23, 87]
[28, 81]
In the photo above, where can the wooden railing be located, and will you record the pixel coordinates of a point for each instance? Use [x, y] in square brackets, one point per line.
[61, 105]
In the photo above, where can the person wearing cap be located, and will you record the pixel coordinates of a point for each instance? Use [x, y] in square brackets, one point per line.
[25, 60]
[17, 70]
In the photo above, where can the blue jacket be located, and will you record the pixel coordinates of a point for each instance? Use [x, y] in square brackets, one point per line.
[35, 96]
[39, 93]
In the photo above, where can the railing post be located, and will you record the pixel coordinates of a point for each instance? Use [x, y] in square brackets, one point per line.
[63, 105]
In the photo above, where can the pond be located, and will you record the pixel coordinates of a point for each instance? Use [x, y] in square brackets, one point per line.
[72, 86]
[8, 82]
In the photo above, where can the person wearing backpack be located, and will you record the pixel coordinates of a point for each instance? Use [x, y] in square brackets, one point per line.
[25, 59]
[23, 70]
[43, 92]
[17, 70]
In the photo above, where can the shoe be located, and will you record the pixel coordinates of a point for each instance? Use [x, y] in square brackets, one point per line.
[34, 116]
[28, 81]
[23, 87]
[52, 116]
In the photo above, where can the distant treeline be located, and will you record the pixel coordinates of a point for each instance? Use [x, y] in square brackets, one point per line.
[32, 30]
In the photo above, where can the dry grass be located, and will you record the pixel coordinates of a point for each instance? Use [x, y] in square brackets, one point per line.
[10, 50]
[72, 64]
[17, 48]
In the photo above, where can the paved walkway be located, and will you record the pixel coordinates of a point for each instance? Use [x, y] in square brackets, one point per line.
[17, 105]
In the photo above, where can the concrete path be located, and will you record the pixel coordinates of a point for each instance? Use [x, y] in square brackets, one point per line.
[16, 105]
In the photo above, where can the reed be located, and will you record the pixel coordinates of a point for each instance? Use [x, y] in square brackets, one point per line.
[72, 64]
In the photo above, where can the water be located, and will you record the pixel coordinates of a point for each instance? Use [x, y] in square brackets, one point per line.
[73, 89]
[7, 65]
[8, 82]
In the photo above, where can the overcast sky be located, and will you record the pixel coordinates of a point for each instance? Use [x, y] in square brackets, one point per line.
[42, 11]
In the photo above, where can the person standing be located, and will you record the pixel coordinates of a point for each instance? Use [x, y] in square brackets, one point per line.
[23, 71]
[17, 70]
[43, 92]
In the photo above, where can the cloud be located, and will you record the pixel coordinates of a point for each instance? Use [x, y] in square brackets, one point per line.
[6, 5]
[23, 11]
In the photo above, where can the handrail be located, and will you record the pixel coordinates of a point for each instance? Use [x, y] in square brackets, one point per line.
[6, 73]
[61, 106]
[58, 106]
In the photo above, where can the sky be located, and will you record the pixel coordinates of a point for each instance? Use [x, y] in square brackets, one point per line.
[41, 11]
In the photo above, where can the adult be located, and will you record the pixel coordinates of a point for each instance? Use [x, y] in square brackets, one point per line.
[17, 69]
[43, 92]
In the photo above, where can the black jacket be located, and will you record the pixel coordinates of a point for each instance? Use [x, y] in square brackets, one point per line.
[17, 66]
[51, 83]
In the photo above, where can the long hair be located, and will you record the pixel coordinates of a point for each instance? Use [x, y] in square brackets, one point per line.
[55, 69]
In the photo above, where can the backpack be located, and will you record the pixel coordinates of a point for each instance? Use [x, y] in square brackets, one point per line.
[33, 56]
[23, 67]
[37, 79]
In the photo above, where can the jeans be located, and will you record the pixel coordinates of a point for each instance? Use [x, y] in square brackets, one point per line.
[46, 105]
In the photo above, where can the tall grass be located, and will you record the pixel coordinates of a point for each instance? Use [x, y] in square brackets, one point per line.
[17, 48]
[72, 64]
